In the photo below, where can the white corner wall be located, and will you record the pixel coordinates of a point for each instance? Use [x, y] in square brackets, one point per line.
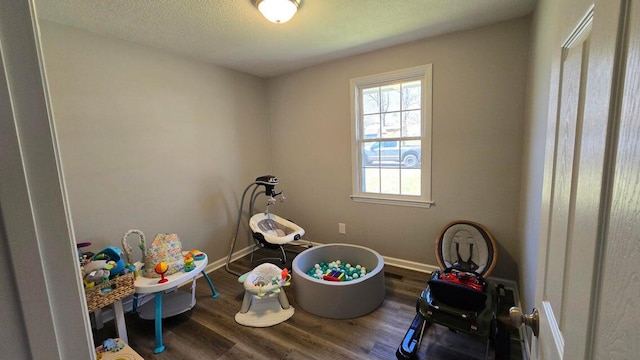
[543, 28]
[479, 87]
[152, 140]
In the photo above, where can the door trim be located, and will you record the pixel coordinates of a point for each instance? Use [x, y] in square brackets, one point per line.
[555, 328]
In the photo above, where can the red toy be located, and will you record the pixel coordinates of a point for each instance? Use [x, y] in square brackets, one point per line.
[197, 254]
[162, 268]
[333, 275]
[469, 279]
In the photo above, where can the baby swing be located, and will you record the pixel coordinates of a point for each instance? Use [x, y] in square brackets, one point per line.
[265, 303]
[267, 230]
[458, 296]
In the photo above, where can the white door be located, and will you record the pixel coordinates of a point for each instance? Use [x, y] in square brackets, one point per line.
[591, 192]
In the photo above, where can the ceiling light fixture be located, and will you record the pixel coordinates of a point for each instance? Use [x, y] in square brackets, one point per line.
[278, 11]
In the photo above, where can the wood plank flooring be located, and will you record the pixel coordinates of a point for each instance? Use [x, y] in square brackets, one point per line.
[209, 330]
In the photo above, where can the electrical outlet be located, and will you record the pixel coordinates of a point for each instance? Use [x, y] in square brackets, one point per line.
[342, 228]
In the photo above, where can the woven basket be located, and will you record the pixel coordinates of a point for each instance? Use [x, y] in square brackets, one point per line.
[121, 287]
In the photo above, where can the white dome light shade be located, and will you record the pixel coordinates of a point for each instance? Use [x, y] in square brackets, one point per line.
[278, 11]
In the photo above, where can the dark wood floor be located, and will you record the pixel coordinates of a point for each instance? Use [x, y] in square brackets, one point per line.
[209, 330]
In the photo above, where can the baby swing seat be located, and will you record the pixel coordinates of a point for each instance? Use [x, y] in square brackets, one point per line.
[272, 231]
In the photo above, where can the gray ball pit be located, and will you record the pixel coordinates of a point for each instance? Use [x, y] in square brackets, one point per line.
[343, 299]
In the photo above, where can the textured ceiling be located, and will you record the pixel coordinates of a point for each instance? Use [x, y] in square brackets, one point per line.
[233, 34]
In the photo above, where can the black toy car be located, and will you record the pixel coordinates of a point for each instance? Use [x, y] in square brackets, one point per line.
[458, 296]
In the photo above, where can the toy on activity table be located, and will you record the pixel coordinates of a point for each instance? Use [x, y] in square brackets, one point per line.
[166, 247]
[161, 268]
[197, 254]
[189, 262]
[190, 259]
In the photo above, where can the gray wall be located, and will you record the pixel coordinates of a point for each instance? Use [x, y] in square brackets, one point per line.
[479, 83]
[152, 140]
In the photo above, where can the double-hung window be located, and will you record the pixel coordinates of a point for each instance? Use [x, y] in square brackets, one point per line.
[391, 138]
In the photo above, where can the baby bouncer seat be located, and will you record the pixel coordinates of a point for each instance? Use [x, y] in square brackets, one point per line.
[265, 302]
[458, 296]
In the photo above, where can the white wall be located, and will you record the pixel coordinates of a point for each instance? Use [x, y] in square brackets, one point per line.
[152, 140]
[479, 83]
[543, 28]
[162, 143]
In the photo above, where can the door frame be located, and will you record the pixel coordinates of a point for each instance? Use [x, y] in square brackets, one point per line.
[34, 216]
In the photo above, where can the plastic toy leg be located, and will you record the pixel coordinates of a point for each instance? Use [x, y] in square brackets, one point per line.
[214, 293]
[158, 307]
[135, 302]
[246, 302]
[284, 302]
[120, 322]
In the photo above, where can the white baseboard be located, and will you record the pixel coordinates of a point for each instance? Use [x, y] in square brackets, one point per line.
[217, 264]
[410, 265]
[405, 264]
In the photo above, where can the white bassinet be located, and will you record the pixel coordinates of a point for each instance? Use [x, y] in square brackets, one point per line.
[267, 230]
[272, 231]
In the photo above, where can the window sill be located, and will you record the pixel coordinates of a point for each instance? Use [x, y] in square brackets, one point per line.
[391, 201]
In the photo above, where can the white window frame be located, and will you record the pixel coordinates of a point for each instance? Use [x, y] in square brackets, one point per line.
[424, 73]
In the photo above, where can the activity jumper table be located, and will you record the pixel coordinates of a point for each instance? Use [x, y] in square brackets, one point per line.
[168, 301]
